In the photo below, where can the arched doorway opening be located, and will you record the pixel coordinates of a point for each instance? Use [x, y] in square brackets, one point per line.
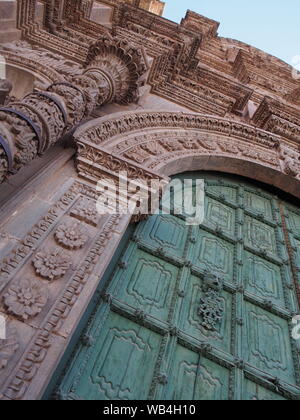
[198, 312]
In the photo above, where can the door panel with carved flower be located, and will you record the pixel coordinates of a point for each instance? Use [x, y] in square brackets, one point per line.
[197, 313]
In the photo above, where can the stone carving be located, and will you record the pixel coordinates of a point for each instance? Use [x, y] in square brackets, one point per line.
[42, 341]
[211, 308]
[125, 69]
[283, 120]
[5, 89]
[40, 231]
[51, 264]
[27, 299]
[9, 346]
[86, 211]
[184, 135]
[177, 75]
[71, 235]
[176, 51]
[128, 122]
[113, 73]
[26, 141]
[290, 160]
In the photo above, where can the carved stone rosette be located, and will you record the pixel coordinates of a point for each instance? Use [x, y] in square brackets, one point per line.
[51, 264]
[71, 236]
[29, 127]
[27, 299]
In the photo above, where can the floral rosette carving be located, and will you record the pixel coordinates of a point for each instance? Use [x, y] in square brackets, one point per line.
[52, 264]
[8, 347]
[71, 236]
[26, 300]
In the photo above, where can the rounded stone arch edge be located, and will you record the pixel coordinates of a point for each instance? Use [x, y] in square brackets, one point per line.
[169, 143]
[234, 166]
[32, 66]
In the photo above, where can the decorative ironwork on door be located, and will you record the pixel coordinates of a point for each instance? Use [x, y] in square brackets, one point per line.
[197, 313]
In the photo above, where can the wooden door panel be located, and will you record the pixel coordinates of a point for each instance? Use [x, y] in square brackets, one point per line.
[165, 231]
[229, 193]
[112, 367]
[267, 343]
[220, 215]
[214, 254]
[294, 222]
[263, 278]
[259, 204]
[196, 378]
[254, 392]
[259, 236]
[199, 313]
[147, 284]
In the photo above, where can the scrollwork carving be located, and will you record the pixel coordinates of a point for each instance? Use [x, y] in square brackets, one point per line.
[211, 308]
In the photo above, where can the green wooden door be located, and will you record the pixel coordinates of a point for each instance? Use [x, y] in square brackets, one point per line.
[198, 313]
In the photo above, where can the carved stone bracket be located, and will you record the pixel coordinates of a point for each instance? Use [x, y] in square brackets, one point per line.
[123, 71]
[29, 127]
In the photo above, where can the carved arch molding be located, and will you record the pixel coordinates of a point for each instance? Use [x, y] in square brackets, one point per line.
[159, 144]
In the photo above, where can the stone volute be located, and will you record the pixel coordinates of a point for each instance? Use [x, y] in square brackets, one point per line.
[112, 73]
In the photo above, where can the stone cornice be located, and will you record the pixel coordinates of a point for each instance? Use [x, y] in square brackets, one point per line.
[278, 118]
[185, 55]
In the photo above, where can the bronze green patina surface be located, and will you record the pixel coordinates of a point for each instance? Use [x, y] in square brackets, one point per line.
[198, 313]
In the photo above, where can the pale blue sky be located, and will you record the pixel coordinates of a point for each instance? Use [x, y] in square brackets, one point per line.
[271, 25]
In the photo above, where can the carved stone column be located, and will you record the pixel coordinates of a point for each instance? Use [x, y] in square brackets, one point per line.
[28, 128]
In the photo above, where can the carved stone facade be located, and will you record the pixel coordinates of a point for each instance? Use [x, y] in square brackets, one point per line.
[120, 90]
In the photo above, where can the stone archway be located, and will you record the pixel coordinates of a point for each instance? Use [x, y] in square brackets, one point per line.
[166, 143]
[149, 145]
